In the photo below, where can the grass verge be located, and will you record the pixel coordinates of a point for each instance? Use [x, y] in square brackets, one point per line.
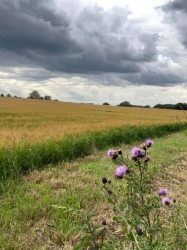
[22, 159]
[39, 210]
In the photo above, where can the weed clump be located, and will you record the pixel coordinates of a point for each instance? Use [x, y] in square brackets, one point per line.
[137, 211]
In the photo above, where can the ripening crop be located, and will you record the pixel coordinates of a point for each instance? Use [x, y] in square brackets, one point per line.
[31, 121]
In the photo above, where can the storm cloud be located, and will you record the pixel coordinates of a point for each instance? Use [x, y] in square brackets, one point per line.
[43, 42]
[176, 13]
[96, 41]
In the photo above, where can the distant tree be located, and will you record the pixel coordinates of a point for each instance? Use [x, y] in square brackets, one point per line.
[47, 97]
[8, 95]
[55, 100]
[34, 95]
[15, 96]
[169, 106]
[146, 106]
[181, 106]
[125, 104]
[159, 106]
[2, 95]
[106, 103]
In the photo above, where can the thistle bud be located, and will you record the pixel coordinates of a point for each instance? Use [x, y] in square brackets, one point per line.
[104, 180]
[103, 222]
[119, 151]
[139, 231]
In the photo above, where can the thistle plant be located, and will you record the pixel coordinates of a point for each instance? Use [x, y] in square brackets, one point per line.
[136, 209]
[138, 212]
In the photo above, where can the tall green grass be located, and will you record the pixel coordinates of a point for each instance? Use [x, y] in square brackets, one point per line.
[26, 158]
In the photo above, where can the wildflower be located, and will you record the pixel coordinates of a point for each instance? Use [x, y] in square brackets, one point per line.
[139, 231]
[136, 152]
[141, 154]
[149, 142]
[113, 154]
[163, 192]
[146, 159]
[109, 181]
[104, 180]
[103, 222]
[121, 171]
[119, 151]
[165, 201]
[174, 200]
[110, 152]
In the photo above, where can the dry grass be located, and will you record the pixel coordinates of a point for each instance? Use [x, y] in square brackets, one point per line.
[173, 177]
[27, 120]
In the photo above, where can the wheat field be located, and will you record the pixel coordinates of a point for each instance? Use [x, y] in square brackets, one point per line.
[27, 120]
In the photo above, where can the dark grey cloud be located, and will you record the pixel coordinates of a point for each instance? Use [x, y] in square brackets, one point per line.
[154, 78]
[176, 5]
[44, 10]
[89, 42]
[159, 78]
[92, 41]
[22, 32]
[176, 14]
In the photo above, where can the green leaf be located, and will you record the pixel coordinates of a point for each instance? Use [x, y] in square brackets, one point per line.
[115, 218]
[107, 246]
[84, 242]
[110, 200]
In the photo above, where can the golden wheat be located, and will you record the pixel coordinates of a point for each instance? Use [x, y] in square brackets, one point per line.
[27, 120]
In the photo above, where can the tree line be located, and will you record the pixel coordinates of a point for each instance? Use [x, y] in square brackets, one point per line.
[128, 104]
[33, 95]
[178, 106]
[36, 95]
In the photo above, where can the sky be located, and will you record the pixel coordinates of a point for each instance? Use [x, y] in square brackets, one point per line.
[95, 51]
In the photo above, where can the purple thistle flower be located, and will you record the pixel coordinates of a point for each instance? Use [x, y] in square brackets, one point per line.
[110, 152]
[113, 154]
[141, 154]
[165, 201]
[136, 152]
[121, 171]
[163, 192]
[149, 142]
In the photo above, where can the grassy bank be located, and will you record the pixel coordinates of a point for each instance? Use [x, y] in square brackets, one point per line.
[29, 157]
[39, 210]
